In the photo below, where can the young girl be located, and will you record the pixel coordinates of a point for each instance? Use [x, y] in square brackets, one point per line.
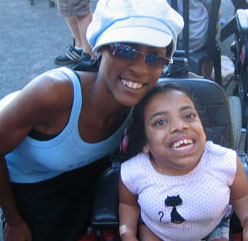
[180, 183]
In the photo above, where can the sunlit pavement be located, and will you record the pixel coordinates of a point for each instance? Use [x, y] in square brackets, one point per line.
[32, 36]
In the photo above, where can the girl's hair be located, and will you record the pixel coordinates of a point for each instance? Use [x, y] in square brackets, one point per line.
[136, 131]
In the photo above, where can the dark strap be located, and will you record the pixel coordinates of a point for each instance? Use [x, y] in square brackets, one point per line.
[214, 50]
[186, 23]
[228, 29]
[186, 27]
[214, 11]
[240, 4]
[174, 4]
[89, 66]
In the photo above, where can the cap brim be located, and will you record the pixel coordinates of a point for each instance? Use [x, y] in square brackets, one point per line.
[138, 35]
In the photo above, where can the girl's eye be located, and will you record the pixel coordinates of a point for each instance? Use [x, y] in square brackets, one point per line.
[160, 123]
[190, 115]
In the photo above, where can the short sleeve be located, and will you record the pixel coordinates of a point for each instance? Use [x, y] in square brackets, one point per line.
[129, 174]
[222, 163]
[134, 173]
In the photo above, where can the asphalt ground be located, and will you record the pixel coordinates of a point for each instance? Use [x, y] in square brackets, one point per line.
[31, 36]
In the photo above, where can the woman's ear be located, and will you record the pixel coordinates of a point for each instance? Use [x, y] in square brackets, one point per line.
[146, 148]
[100, 50]
[99, 54]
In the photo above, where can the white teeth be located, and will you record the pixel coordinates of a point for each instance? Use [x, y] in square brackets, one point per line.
[132, 85]
[183, 147]
[187, 144]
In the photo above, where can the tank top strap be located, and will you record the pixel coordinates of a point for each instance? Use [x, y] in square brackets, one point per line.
[77, 96]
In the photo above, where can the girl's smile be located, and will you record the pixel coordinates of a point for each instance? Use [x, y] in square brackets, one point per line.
[184, 144]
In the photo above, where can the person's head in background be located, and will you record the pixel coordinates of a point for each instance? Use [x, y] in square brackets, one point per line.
[166, 125]
[134, 39]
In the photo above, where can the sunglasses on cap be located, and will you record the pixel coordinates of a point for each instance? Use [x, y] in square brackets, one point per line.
[128, 52]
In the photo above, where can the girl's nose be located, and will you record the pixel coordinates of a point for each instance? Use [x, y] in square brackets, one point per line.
[178, 124]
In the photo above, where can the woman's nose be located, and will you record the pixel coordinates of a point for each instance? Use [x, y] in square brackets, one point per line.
[139, 63]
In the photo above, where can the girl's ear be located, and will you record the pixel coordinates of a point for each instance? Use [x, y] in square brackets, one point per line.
[146, 148]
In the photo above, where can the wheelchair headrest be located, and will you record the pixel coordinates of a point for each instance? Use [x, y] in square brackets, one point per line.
[213, 106]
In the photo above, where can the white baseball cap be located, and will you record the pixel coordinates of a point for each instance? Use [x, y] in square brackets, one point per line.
[147, 22]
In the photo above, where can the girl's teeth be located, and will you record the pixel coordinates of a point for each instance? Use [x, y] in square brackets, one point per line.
[183, 147]
[186, 144]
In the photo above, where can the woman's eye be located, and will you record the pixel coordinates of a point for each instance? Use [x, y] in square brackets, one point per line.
[160, 122]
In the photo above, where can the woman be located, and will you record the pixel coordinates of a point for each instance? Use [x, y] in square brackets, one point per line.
[61, 123]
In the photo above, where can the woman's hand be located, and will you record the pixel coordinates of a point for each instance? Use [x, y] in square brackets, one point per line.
[245, 231]
[17, 232]
[128, 237]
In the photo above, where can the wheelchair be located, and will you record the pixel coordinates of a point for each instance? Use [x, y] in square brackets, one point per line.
[237, 89]
[218, 120]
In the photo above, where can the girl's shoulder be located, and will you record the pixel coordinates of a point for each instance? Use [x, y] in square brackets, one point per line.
[216, 149]
[221, 162]
[134, 172]
[136, 166]
[139, 160]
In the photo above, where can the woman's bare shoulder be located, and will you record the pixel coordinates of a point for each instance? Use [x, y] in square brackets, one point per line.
[51, 89]
[46, 96]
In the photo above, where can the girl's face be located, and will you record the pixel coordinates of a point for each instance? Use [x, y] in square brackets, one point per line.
[129, 80]
[175, 136]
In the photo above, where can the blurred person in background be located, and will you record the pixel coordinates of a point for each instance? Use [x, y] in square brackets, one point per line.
[77, 14]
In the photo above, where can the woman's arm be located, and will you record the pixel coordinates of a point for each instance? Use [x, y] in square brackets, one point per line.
[34, 107]
[129, 213]
[239, 198]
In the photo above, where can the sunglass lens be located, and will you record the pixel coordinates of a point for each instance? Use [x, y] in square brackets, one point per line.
[155, 60]
[125, 51]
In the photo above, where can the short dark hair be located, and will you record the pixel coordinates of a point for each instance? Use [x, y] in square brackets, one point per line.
[136, 130]
[169, 49]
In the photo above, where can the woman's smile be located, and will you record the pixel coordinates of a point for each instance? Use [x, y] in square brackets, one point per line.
[132, 84]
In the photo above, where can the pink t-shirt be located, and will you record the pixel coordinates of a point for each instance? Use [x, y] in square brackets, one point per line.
[201, 197]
